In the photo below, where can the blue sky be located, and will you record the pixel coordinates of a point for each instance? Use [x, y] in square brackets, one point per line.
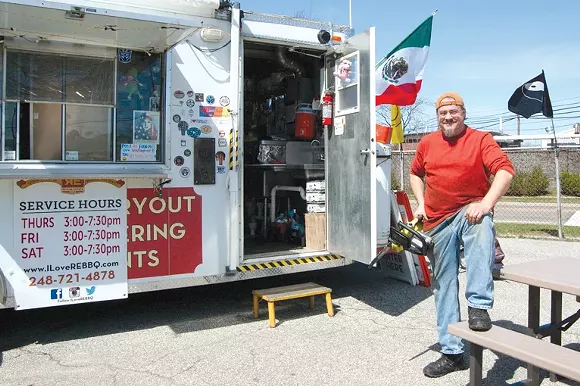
[482, 50]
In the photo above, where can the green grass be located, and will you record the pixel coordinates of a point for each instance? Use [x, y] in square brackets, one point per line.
[541, 199]
[527, 199]
[535, 230]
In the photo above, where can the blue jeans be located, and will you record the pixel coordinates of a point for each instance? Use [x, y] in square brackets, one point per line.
[479, 249]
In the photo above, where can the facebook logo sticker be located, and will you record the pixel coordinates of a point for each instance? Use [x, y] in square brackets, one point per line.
[56, 293]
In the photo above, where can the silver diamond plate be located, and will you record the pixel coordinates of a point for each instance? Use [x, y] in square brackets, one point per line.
[298, 22]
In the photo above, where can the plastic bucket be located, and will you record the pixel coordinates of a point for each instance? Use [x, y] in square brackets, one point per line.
[384, 134]
[305, 122]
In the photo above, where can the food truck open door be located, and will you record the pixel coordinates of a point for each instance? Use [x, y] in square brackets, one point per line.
[351, 150]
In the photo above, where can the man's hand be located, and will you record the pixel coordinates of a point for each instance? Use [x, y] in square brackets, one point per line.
[476, 211]
[420, 212]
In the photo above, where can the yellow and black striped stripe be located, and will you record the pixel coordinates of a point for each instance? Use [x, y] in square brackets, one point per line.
[231, 149]
[237, 150]
[287, 263]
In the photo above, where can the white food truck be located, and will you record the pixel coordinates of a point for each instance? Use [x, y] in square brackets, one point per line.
[151, 145]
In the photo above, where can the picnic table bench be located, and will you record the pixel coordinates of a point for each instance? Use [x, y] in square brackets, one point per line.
[559, 275]
[539, 353]
[273, 295]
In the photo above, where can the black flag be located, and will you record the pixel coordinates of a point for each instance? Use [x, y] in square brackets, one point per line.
[532, 97]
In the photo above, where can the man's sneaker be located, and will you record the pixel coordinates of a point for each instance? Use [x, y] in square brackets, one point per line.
[448, 363]
[478, 319]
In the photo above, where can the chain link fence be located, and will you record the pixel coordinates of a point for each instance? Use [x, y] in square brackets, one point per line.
[531, 207]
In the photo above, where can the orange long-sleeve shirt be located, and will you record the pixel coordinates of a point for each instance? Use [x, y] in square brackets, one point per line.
[456, 171]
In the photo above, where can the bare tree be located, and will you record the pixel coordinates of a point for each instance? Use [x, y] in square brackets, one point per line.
[414, 117]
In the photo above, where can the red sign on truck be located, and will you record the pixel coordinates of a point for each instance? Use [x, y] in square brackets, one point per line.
[164, 233]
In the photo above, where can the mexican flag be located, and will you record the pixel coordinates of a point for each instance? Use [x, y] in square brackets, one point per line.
[399, 75]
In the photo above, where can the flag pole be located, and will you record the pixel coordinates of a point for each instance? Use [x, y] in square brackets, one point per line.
[558, 189]
[402, 163]
[350, 13]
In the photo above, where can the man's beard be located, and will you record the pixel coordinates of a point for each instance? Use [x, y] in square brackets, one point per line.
[454, 132]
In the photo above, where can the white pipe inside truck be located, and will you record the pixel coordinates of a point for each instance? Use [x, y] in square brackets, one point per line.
[149, 148]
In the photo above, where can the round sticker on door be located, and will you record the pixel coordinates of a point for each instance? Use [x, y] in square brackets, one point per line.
[189, 94]
[205, 129]
[184, 172]
[178, 161]
[193, 132]
[222, 133]
[190, 103]
[224, 101]
[187, 152]
[210, 99]
[179, 94]
[176, 118]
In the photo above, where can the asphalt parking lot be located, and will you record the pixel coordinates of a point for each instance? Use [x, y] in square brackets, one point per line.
[383, 334]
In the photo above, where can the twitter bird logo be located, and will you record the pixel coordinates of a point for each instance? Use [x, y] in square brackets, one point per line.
[91, 290]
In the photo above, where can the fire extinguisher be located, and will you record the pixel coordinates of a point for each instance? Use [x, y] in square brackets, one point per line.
[327, 107]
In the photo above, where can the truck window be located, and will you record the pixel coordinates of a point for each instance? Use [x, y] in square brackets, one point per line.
[63, 107]
[348, 90]
[138, 118]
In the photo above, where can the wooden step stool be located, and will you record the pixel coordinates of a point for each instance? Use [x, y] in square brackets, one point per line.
[272, 295]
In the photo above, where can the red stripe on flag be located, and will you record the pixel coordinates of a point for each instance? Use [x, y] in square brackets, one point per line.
[403, 95]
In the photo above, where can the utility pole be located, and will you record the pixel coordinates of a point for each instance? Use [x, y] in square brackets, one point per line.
[518, 118]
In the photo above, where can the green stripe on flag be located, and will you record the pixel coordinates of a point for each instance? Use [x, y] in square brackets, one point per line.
[420, 37]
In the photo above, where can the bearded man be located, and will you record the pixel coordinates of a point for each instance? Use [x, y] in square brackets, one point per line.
[450, 179]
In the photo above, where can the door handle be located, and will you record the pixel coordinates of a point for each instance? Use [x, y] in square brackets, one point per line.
[367, 151]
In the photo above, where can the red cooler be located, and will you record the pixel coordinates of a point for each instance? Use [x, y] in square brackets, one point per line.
[305, 122]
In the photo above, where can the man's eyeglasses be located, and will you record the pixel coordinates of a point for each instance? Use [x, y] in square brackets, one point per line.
[453, 113]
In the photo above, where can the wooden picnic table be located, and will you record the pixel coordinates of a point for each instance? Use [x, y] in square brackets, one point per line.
[559, 275]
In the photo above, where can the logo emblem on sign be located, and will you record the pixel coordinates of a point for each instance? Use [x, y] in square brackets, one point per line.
[193, 132]
[210, 99]
[220, 157]
[124, 56]
[224, 101]
[179, 94]
[56, 293]
[190, 103]
[222, 142]
[74, 292]
[184, 172]
[178, 160]
[182, 125]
